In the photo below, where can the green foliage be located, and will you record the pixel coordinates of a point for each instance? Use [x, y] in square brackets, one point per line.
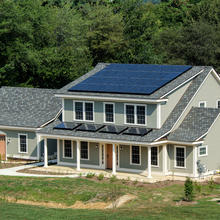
[100, 176]
[90, 175]
[211, 184]
[188, 189]
[197, 187]
[113, 178]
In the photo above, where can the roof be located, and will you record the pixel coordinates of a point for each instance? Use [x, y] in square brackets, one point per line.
[196, 124]
[155, 134]
[143, 79]
[155, 95]
[28, 107]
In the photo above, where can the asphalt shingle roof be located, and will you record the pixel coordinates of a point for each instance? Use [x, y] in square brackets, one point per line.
[27, 107]
[197, 123]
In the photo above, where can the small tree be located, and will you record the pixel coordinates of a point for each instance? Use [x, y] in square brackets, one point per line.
[188, 188]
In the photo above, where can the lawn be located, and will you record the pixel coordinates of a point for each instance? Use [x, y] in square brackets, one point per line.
[154, 201]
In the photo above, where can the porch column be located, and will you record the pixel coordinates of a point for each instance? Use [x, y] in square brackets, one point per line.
[164, 150]
[113, 159]
[78, 155]
[195, 158]
[149, 163]
[45, 153]
[58, 151]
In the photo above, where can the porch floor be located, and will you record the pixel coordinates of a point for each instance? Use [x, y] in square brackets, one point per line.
[141, 177]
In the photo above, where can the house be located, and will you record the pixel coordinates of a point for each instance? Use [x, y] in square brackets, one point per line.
[138, 118]
[23, 112]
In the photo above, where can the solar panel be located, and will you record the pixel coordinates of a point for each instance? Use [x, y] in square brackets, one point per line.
[67, 126]
[89, 127]
[113, 129]
[130, 78]
[137, 131]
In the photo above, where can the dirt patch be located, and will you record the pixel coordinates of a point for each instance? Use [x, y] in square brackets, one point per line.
[10, 165]
[186, 203]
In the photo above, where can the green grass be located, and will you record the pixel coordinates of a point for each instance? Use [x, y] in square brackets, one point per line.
[151, 203]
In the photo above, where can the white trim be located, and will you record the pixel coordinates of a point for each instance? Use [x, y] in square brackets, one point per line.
[48, 122]
[138, 164]
[135, 114]
[54, 136]
[175, 166]
[195, 158]
[185, 107]
[18, 156]
[158, 115]
[216, 75]
[104, 116]
[118, 156]
[18, 128]
[45, 153]
[202, 102]
[78, 155]
[58, 150]
[164, 152]
[19, 147]
[71, 149]
[218, 100]
[88, 146]
[158, 158]
[203, 155]
[100, 98]
[63, 109]
[149, 162]
[38, 146]
[113, 159]
[84, 112]
[181, 84]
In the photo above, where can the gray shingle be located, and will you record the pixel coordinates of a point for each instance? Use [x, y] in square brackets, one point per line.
[197, 123]
[27, 107]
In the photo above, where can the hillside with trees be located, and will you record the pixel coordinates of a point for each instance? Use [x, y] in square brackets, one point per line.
[48, 43]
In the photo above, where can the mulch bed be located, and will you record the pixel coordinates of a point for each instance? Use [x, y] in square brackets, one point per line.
[9, 165]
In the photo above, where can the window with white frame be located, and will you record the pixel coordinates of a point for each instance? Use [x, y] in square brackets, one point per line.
[202, 104]
[135, 155]
[84, 111]
[180, 156]
[67, 151]
[218, 104]
[109, 112]
[22, 143]
[154, 156]
[203, 151]
[84, 150]
[135, 114]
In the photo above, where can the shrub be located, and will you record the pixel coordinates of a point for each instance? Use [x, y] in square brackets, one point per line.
[100, 176]
[90, 175]
[211, 184]
[198, 187]
[113, 178]
[188, 188]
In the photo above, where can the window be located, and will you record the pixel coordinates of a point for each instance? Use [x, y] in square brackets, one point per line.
[84, 150]
[22, 143]
[135, 114]
[135, 155]
[67, 149]
[84, 111]
[109, 112]
[218, 104]
[203, 151]
[154, 156]
[202, 104]
[180, 156]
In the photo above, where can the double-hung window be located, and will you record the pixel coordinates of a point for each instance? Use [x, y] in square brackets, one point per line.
[203, 151]
[135, 114]
[202, 104]
[84, 152]
[135, 155]
[84, 111]
[22, 143]
[67, 151]
[154, 156]
[109, 112]
[180, 157]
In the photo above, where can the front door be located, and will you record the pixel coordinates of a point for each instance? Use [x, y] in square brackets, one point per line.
[109, 156]
[2, 147]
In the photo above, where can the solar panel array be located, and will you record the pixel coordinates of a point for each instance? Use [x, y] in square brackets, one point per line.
[67, 126]
[89, 127]
[130, 78]
[137, 131]
[113, 129]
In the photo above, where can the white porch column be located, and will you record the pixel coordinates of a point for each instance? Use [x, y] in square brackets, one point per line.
[195, 158]
[58, 151]
[45, 153]
[78, 155]
[164, 151]
[38, 147]
[149, 163]
[113, 159]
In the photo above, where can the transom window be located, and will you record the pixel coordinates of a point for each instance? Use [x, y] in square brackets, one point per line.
[84, 150]
[203, 151]
[154, 156]
[180, 157]
[135, 155]
[22, 143]
[218, 104]
[202, 104]
[84, 111]
[109, 112]
[135, 114]
[68, 149]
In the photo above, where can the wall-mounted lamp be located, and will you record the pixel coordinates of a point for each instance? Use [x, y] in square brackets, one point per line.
[121, 148]
[8, 141]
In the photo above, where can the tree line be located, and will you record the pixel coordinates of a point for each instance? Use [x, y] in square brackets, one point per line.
[48, 43]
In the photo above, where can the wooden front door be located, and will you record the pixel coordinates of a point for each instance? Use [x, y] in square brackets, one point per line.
[109, 156]
[2, 147]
